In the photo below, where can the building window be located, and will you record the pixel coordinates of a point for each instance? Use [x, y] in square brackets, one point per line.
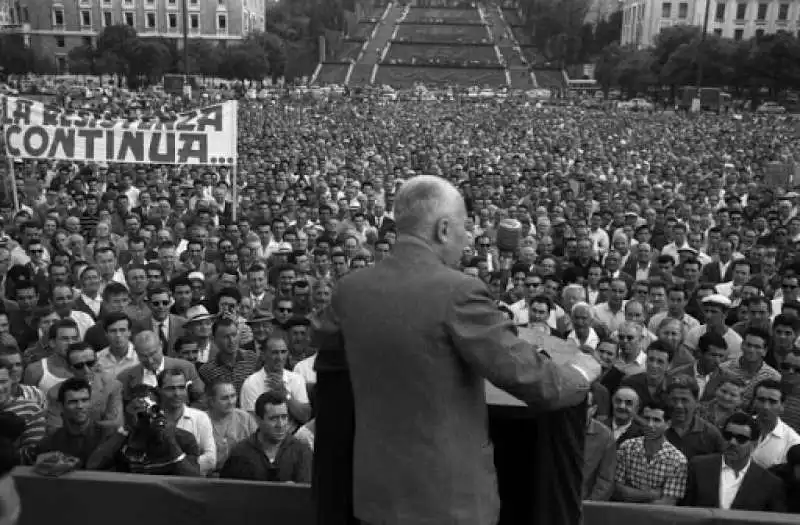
[762, 12]
[759, 33]
[719, 16]
[172, 21]
[130, 19]
[86, 18]
[58, 17]
[194, 23]
[172, 2]
[741, 11]
[783, 12]
[25, 15]
[738, 34]
[108, 20]
[60, 41]
[666, 9]
[222, 23]
[150, 20]
[61, 63]
[87, 41]
[86, 2]
[221, 2]
[129, 2]
[683, 10]
[718, 32]
[151, 2]
[107, 2]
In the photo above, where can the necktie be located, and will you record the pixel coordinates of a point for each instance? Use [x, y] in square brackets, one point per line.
[164, 343]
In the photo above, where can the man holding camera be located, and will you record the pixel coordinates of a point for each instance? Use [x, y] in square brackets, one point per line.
[146, 444]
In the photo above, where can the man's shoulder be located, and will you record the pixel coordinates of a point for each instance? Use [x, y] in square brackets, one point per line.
[706, 461]
[195, 414]
[23, 408]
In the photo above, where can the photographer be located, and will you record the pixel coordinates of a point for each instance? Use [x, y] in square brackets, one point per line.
[147, 444]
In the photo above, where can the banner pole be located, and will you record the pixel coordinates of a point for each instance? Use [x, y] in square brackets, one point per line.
[235, 188]
[12, 179]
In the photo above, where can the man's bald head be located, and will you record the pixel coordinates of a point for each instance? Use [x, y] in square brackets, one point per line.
[432, 209]
[422, 201]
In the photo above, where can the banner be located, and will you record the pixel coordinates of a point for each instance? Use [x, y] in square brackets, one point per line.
[33, 130]
[779, 174]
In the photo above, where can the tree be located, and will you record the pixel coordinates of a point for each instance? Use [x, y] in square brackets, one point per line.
[117, 46]
[244, 62]
[15, 57]
[775, 59]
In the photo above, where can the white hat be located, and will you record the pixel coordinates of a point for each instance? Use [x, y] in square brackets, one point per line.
[197, 313]
[717, 299]
[197, 276]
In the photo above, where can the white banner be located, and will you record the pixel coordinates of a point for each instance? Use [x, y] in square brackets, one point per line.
[203, 136]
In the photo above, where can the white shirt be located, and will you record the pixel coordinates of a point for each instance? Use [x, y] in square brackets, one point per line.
[94, 304]
[199, 425]
[110, 364]
[305, 369]
[83, 320]
[151, 379]
[618, 430]
[256, 384]
[772, 448]
[729, 484]
[592, 340]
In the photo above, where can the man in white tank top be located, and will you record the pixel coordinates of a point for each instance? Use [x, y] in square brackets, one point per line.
[54, 369]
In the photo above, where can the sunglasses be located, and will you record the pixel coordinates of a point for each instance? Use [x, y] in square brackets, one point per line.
[741, 439]
[84, 364]
[794, 369]
[285, 310]
[626, 337]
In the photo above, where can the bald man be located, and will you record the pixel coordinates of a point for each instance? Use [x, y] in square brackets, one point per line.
[152, 362]
[418, 338]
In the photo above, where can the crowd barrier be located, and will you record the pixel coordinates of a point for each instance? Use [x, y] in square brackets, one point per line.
[99, 498]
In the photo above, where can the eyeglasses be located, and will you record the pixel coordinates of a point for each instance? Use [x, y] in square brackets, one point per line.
[740, 438]
[623, 337]
[792, 369]
[790, 286]
[84, 364]
[285, 310]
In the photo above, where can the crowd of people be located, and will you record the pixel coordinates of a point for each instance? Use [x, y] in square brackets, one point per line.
[157, 319]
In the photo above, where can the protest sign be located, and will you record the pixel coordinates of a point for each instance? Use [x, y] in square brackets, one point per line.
[559, 350]
[203, 136]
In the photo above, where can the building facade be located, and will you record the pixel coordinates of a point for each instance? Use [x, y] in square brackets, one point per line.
[54, 27]
[643, 20]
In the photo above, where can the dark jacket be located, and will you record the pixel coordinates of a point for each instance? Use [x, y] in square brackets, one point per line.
[759, 491]
[248, 461]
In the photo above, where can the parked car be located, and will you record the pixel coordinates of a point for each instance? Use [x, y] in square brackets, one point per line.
[771, 107]
[636, 104]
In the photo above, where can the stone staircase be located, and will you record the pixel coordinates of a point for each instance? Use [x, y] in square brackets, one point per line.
[364, 69]
[517, 71]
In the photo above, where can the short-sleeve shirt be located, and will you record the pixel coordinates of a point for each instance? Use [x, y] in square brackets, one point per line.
[733, 368]
[256, 384]
[665, 471]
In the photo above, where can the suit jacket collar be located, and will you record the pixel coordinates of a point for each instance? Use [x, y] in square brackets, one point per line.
[414, 250]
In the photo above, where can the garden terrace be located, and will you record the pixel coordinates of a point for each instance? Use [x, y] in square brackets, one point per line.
[332, 73]
[549, 78]
[432, 52]
[453, 34]
[455, 16]
[403, 76]
[363, 30]
[349, 51]
[512, 17]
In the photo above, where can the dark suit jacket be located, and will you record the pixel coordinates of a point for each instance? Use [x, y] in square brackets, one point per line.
[759, 491]
[420, 338]
[133, 376]
[176, 329]
[712, 275]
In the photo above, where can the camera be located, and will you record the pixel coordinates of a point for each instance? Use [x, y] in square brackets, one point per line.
[151, 415]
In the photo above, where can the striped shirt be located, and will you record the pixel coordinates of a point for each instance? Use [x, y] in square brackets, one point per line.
[246, 364]
[33, 394]
[733, 368]
[34, 427]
